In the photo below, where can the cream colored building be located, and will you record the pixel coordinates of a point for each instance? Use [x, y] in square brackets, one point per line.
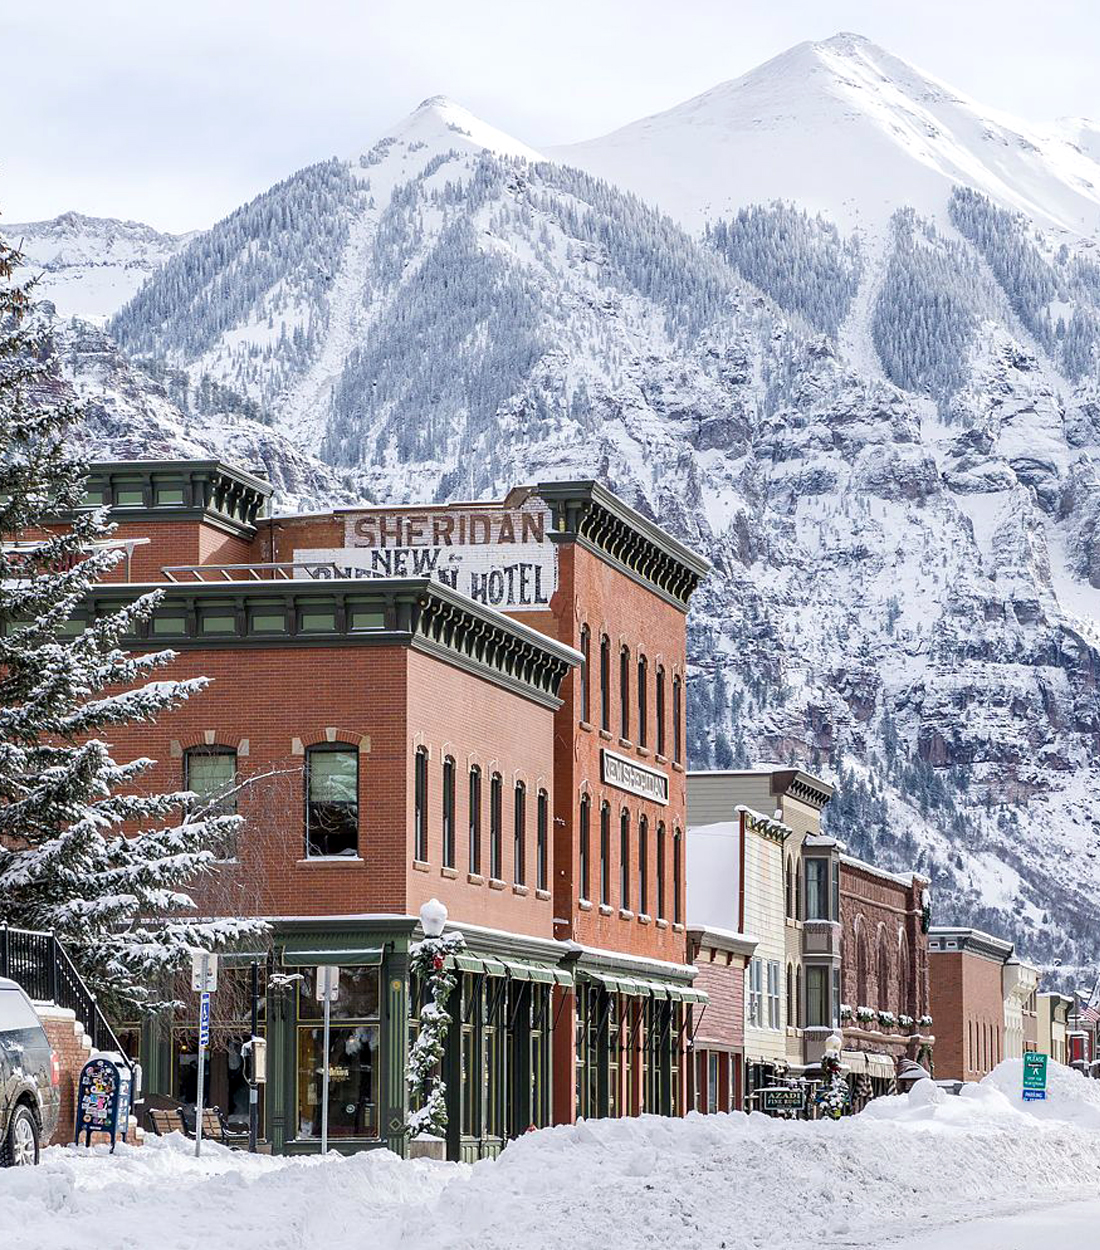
[1053, 1013]
[1019, 982]
[735, 881]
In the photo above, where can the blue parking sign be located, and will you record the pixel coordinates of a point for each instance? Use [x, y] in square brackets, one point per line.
[204, 1020]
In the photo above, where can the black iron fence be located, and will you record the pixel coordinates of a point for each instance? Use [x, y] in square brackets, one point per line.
[41, 965]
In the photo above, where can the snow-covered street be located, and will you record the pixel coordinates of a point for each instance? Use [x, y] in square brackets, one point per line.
[920, 1172]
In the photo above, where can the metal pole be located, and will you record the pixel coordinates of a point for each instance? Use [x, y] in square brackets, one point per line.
[202, 1057]
[253, 1088]
[324, 1081]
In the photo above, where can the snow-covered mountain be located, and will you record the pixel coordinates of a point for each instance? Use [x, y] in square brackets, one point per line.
[91, 266]
[845, 128]
[886, 439]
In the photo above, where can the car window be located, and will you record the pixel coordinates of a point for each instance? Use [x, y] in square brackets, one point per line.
[16, 1012]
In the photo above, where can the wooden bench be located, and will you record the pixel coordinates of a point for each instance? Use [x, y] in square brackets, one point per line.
[163, 1120]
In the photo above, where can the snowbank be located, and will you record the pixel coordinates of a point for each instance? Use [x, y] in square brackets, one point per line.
[907, 1164]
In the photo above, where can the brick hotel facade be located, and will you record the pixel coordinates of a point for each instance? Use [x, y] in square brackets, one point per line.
[478, 702]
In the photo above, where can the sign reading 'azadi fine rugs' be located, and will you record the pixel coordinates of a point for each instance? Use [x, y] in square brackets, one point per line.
[497, 555]
[624, 774]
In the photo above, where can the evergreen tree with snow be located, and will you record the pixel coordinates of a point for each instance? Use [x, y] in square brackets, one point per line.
[81, 854]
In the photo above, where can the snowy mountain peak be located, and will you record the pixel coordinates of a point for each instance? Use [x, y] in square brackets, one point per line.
[844, 127]
[440, 123]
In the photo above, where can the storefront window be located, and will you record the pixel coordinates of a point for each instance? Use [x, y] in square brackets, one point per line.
[352, 1055]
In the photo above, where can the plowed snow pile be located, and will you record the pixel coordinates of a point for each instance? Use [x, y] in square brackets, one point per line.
[908, 1163]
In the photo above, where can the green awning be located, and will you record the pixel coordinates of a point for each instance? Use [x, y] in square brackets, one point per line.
[692, 995]
[543, 976]
[517, 971]
[468, 963]
[494, 967]
[675, 993]
[560, 976]
[520, 971]
[349, 957]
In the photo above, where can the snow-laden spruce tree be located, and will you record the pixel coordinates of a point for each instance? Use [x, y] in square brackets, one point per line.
[82, 854]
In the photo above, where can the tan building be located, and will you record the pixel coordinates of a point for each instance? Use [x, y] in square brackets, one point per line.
[1053, 1014]
[1020, 983]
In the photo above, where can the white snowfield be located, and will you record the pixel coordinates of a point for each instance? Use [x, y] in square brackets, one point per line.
[924, 1171]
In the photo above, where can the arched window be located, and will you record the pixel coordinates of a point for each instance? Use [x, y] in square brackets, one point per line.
[448, 812]
[798, 1010]
[660, 709]
[643, 866]
[496, 826]
[420, 813]
[624, 859]
[332, 800]
[586, 680]
[677, 720]
[475, 820]
[643, 700]
[677, 878]
[798, 913]
[788, 887]
[790, 993]
[586, 846]
[861, 963]
[884, 986]
[661, 870]
[605, 684]
[519, 835]
[542, 836]
[624, 692]
[605, 854]
[904, 998]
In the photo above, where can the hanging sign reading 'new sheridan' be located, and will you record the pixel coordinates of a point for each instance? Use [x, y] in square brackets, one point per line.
[623, 773]
[499, 556]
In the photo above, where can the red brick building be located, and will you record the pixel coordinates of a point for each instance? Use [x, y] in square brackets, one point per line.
[967, 997]
[718, 1042]
[482, 703]
[885, 987]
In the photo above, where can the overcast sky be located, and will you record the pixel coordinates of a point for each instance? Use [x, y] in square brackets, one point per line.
[176, 113]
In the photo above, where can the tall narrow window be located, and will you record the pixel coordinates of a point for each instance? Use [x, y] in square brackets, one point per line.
[542, 835]
[677, 720]
[605, 854]
[332, 800]
[448, 812]
[660, 710]
[661, 871]
[475, 820]
[586, 846]
[420, 817]
[677, 878]
[624, 860]
[624, 693]
[496, 826]
[643, 866]
[817, 888]
[605, 684]
[586, 680]
[643, 701]
[519, 835]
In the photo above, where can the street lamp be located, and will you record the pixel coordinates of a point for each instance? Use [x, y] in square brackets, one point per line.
[433, 916]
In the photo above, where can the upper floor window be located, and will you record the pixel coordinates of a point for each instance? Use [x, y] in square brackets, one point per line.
[332, 800]
[448, 812]
[519, 835]
[643, 701]
[624, 860]
[586, 846]
[661, 871]
[818, 1015]
[677, 878]
[586, 679]
[542, 837]
[475, 820]
[605, 683]
[677, 720]
[643, 866]
[605, 854]
[624, 693]
[817, 888]
[660, 710]
[420, 814]
[496, 826]
[210, 773]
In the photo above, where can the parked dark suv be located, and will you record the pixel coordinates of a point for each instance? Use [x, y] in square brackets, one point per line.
[30, 1079]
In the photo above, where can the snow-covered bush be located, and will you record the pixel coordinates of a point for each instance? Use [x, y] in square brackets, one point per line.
[865, 1014]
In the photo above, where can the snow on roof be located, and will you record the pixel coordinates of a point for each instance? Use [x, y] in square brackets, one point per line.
[905, 879]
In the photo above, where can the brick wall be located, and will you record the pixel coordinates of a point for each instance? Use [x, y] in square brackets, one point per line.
[968, 1014]
[74, 1049]
[722, 975]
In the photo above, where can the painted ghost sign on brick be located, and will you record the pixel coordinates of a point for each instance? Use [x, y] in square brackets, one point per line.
[502, 557]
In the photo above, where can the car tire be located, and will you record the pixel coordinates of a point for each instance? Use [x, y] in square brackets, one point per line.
[21, 1145]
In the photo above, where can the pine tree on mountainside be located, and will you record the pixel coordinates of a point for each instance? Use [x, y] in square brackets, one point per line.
[118, 902]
